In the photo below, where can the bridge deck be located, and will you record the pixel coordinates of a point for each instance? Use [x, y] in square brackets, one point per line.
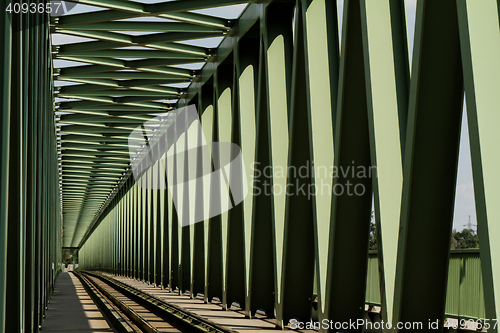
[72, 310]
[233, 319]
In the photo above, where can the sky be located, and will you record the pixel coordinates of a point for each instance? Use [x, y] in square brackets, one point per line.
[464, 200]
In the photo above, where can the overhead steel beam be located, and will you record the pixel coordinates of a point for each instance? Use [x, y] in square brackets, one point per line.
[187, 5]
[170, 27]
[129, 6]
[106, 15]
[100, 35]
[131, 54]
[169, 73]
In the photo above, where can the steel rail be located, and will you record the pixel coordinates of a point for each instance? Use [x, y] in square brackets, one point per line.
[174, 315]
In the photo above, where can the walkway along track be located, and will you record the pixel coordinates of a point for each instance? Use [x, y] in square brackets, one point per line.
[131, 310]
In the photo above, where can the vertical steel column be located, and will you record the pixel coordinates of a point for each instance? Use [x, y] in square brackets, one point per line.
[136, 229]
[152, 221]
[351, 199]
[235, 257]
[430, 165]
[480, 45]
[175, 232]
[247, 70]
[224, 115]
[16, 222]
[31, 194]
[38, 29]
[121, 234]
[161, 216]
[158, 213]
[384, 49]
[207, 120]
[44, 275]
[128, 222]
[322, 57]
[116, 245]
[278, 55]
[5, 90]
[165, 221]
[140, 230]
[145, 225]
[195, 195]
[215, 273]
[262, 273]
[198, 239]
[297, 276]
[183, 200]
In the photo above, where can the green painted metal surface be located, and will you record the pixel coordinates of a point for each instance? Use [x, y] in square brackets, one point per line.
[281, 88]
[464, 290]
[30, 220]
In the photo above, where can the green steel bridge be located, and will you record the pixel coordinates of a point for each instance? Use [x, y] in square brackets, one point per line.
[292, 90]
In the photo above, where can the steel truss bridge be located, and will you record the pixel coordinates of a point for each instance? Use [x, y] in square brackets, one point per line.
[291, 89]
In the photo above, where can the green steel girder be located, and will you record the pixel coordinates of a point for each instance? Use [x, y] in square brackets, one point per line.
[290, 102]
[92, 147]
[116, 63]
[120, 84]
[385, 25]
[100, 140]
[93, 129]
[92, 104]
[91, 160]
[100, 35]
[121, 64]
[94, 168]
[135, 84]
[93, 17]
[109, 181]
[129, 112]
[94, 153]
[185, 5]
[120, 93]
[91, 182]
[480, 43]
[89, 69]
[133, 100]
[131, 6]
[106, 119]
[103, 82]
[97, 176]
[83, 88]
[159, 41]
[107, 15]
[89, 46]
[143, 26]
[85, 191]
[5, 90]
[95, 197]
[94, 175]
[87, 188]
[167, 73]
[115, 53]
[153, 39]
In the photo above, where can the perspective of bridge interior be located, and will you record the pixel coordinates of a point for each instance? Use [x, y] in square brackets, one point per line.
[263, 165]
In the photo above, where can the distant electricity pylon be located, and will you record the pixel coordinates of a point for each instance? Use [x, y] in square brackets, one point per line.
[469, 225]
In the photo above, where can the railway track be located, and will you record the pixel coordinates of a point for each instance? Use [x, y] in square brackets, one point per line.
[130, 310]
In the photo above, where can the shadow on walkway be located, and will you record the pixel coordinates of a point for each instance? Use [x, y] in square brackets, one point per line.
[72, 310]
